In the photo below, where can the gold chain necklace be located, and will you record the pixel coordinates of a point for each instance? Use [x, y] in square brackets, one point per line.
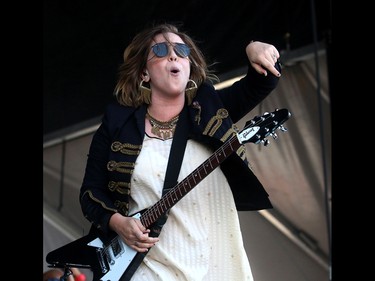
[162, 129]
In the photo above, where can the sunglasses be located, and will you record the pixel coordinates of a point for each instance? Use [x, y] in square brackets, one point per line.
[162, 49]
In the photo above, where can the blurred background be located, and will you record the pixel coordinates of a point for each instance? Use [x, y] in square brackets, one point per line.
[83, 42]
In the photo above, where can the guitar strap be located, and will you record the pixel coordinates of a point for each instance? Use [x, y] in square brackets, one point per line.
[173, 169]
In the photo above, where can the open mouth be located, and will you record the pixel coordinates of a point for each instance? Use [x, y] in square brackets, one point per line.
[175, 70]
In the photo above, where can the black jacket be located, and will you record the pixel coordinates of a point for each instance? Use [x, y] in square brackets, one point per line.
[118, 141]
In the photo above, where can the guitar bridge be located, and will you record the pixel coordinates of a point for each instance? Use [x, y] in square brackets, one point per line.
[102, 261]
[111, 252]
[117, 249]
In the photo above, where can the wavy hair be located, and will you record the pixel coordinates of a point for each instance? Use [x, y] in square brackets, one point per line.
[135, 59]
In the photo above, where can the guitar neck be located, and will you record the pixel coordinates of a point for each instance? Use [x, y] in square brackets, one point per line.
[175, 194]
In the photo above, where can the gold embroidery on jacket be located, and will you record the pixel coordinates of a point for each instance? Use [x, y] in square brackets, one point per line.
[215, 122]
[120, 187]
[241, 152]
[126, 148]
[98, 201]
[120, 167]
[123, 207]
[197, 117]
[230, 133]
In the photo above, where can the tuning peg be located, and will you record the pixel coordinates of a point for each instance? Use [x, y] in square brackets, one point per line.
[265, 142]
[282, 128]
[274, 135]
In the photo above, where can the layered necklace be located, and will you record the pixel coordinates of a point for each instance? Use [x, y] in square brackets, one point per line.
[162, 129]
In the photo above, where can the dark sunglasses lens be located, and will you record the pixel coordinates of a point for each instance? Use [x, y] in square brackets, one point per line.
[160, 49]
[182, 50]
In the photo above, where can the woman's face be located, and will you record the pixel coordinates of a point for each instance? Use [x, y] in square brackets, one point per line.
[168, 66]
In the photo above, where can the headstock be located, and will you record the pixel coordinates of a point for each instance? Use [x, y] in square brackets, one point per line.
[260, 127]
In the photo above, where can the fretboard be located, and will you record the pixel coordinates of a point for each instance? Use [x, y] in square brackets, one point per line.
[176, 193]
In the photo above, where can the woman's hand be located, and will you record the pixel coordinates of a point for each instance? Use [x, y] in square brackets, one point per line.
[263, 57]
[132, 232]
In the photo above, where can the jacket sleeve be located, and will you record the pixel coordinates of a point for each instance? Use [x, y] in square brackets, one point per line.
[248, 92]
[96, 205]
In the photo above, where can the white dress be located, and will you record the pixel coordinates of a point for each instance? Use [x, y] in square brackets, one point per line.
[201, 239]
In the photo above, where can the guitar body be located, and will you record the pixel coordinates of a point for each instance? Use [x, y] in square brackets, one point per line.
[107, 262]
[113, 260]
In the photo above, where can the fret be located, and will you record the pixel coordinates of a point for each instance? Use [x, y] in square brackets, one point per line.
[199, 175]
[204, 168]
[180, 188]
[217, 159]
[174, 199]
[211, 167]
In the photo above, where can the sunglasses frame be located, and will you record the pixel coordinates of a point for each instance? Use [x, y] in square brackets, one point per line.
[181, 49]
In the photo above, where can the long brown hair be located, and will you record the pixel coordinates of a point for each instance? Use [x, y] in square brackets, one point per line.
[135, 59]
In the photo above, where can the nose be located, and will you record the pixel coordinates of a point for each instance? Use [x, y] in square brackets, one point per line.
[172, 54]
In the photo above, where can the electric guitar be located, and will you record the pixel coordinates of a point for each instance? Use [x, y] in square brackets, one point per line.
[114, 259]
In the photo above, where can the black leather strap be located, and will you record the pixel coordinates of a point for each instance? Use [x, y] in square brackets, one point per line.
[173, 169]
[177, 151]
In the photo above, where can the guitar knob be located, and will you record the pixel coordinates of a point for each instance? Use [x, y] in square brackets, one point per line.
[265, 142]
